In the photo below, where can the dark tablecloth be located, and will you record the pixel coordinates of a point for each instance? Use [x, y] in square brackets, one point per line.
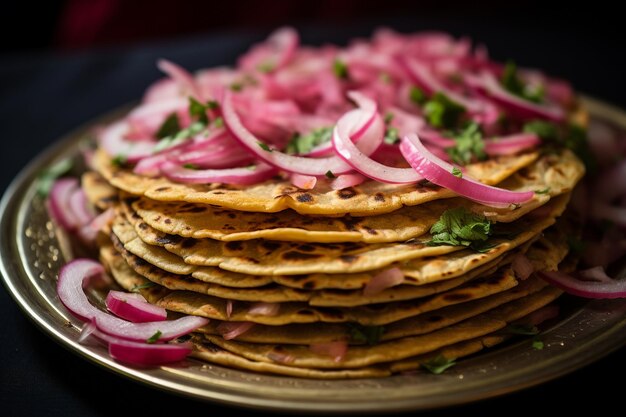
[43, 96]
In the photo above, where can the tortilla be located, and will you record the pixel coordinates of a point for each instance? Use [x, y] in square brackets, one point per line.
[261, 257]
[275, 195]
[200, 221]
[98, 191]
[397, 349]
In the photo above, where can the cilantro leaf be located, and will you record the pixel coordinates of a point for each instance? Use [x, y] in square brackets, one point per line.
[469, 146]
[457, 172]
[365, 334]
[460, 227]
[417, 95]
[545, 130]
[47, 177]
[543, 191]
[181, 135]
[169, 127]
[301, 144]
[137, 288]
[155, 337]
[511, 82]
[119, 160]
[538, 344]
[438, 364]
[392, 136]
[198, 110]
[440, 111]
[266, 66]
[340, 69]
[329, 174]
[264, 146]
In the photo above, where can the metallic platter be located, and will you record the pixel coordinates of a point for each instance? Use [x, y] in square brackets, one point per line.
[31, 254]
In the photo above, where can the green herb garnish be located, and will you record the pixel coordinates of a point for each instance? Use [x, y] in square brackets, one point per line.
[155, 337]
[47, 177]
[329, 174]
[461, 227]
[365, 334]
[218, 122]
[543, 191]
[169, 127]
[179, 136]
[538, 344]
[301, 144]
[468, 146]
[511, 81]
[417, 95]
[137, 288]
[264, 146]
[190, 166]
[457, 172]
[545, 130]
[266, 66]
[392, 136]
[119, 160]
[438, 364]
[340, 69]
[198, 110]
[442, 112]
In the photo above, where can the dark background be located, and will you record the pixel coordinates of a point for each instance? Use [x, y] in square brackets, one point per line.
[65, 63]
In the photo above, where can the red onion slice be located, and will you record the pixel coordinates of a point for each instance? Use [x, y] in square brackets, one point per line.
[306, 182]
[113, 141]
[237, 176]
[75, 273]
[295, 164]
[133, 307]
[231, 329]
[59, 203]
[143, 354]
[337, 350]
[264, 309]
[80, 207]
[588, 289]
[383, 280]
[89, 231]
[357, 159]
[181, 76]
[440, 172]
[516, 105]
[522, 266]
[347, 180]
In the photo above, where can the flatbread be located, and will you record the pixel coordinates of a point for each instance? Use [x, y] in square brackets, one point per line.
[98, 191]
[275, 195]
[201, 221]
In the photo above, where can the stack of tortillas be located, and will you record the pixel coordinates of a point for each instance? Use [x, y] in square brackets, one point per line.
[337, 283]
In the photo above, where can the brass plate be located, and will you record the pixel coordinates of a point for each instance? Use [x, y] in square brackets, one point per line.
[31, 256]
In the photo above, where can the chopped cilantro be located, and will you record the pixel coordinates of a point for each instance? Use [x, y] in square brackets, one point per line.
[212, 105]
[47, 177]
[119, 160]
[440, 111]
[169, 127]
[438, 364]
[545, 130]
[538, 344]
[457, 172]
[392, 136]
[522, 329]
[365, 334]
[236, 86]
[329, 174]
[155, 337]
[388, 117]
[543, 191]
[266, 66]
[340, 69]
[461, 227]
[264, 146]
[301, 144]
[179, 136]
[190, 166]
[417, 95]
[468, 146]
[218, 122]
[137, 288]
[198, 110]
[511, 81]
